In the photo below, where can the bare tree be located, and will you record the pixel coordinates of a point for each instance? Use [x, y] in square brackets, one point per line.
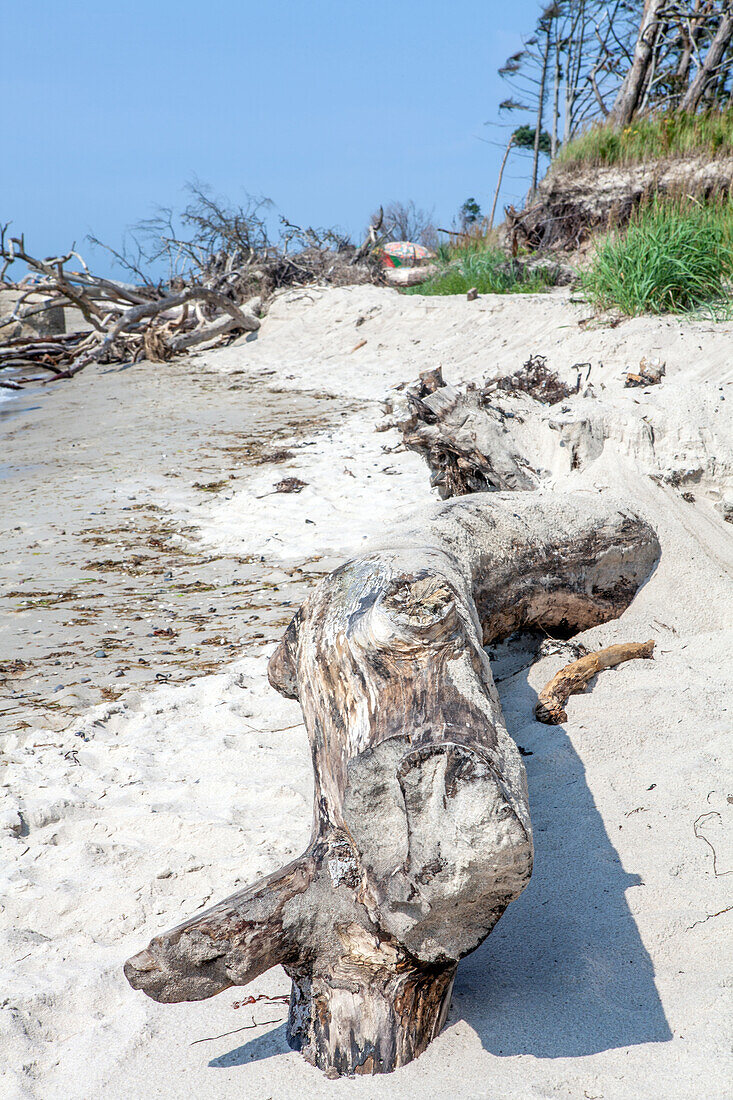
[545, 26]
[556, 77]
[616, 60]
[690, 27]
[405, 221]
[572, 63]
[677, 39]
[710, 69]
[208, 230]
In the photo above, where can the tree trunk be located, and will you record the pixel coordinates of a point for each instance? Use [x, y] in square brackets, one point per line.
[573, 62]
[422, 834]
[708, 71]
[689, 34]
[555, 103]
[630, 93]
[651, 72]
[569, 93]
[540, 111]
[509, 145]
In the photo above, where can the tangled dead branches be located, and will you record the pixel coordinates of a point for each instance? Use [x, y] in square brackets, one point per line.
[535, 378]
[122, 322]
[221, 272]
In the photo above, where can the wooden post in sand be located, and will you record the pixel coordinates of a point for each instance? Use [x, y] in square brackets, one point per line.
[421, 833]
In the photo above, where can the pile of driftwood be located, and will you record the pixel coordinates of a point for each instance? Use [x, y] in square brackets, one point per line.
[122, 323]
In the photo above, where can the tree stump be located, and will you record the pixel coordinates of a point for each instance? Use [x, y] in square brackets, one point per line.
[422, 833]
[465, 437]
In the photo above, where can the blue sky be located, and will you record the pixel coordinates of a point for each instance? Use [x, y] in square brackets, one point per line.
[327, 108]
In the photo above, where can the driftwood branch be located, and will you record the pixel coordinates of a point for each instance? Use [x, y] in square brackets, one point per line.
[422, 835]
[575, 677]
[133, 317]
[127, 322]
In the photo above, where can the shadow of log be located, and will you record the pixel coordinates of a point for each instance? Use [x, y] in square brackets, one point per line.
[565, 973]
[257, 1049]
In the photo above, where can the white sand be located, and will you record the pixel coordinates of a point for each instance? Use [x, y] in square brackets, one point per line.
[606, 978]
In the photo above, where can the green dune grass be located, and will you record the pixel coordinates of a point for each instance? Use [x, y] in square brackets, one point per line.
[653, 137]
[487, 269]
[673, 257]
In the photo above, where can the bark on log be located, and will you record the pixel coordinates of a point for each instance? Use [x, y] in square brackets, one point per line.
[575, 677]
[421, 833]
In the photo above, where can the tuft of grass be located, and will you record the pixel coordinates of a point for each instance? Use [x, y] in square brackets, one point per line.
[475, 238]
[675, 256]
[653, 137]
[486, 268]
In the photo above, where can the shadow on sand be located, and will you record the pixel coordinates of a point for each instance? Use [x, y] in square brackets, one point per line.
[260, 1047]
[565, 972]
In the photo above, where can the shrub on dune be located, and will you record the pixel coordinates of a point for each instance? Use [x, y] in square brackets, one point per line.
[675, 256]
[490, 271]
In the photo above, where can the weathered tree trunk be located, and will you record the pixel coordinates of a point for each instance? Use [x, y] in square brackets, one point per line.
[647, 87]
[555, 100]
[465, 442]
[421, 833]
[708, 71]
[631, 91]
[574, 42]
[689, 30]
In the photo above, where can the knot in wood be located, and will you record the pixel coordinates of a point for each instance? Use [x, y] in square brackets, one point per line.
[418, 610]
[410, 614]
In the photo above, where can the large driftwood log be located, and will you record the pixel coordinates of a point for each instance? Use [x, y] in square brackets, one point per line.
[422, 832]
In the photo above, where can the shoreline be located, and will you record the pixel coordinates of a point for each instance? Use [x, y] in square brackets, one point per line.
[105, 588]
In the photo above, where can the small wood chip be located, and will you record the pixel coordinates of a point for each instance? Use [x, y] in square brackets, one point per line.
[290, 485]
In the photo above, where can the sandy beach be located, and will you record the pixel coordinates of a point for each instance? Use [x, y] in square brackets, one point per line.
[150, 566]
